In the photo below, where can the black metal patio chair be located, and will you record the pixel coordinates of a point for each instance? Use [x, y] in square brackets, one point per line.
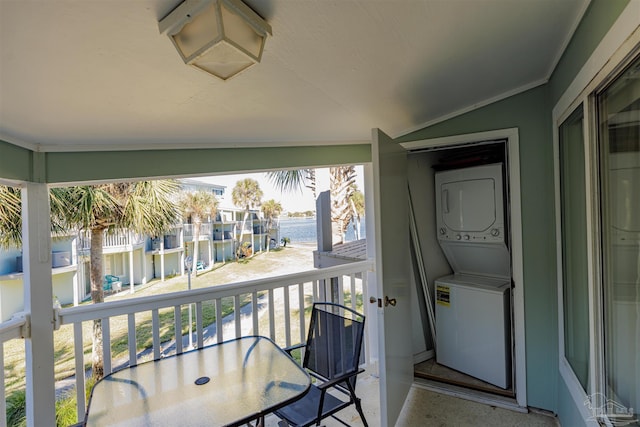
[332, 358]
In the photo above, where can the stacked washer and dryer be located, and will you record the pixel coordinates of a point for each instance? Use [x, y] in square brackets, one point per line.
[473, 315]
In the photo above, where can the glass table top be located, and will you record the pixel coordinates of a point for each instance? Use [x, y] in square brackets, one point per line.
[226, 384]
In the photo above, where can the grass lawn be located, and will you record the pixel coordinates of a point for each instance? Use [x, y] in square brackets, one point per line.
[283, 261]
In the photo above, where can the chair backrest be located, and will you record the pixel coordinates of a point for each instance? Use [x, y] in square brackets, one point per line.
[334, 341]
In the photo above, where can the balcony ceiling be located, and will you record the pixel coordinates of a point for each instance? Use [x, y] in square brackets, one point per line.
[98, 75]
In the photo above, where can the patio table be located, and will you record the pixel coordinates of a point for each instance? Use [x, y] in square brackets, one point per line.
[226, 384]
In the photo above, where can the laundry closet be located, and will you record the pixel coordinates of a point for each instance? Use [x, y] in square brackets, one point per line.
[463, 275]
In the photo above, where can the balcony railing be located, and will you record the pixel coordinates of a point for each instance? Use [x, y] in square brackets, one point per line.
[205, 230]
[248, 226]
[277, 307]
[117, 238]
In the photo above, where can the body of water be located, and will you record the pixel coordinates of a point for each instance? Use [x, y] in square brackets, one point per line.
[305, 230]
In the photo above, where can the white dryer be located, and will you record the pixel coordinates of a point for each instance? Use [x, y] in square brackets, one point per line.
[470, 220]
[473, 320]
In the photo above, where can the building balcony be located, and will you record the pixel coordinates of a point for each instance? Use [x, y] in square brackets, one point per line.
[118, 240]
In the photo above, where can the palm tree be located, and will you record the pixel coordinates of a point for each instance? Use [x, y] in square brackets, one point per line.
[342, 186]
[271, 210]
[145, 207]
[247, 195]
[357, 206]
[196, 207]
[11, 215]
[294, 180]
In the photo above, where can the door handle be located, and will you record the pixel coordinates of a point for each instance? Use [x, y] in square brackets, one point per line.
[387, 301]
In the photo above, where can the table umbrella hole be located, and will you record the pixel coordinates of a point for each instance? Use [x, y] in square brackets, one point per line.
[202, 380]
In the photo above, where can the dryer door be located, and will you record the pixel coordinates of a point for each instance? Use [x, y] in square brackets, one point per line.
[469, 205]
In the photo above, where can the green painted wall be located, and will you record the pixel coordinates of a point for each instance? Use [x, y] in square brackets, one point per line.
[15, 162]
[597, 20]
[63, 167]
[530, 112]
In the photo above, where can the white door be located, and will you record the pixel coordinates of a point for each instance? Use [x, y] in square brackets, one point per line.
[393, 263]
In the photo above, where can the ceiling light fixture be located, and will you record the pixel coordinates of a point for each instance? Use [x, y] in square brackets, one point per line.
[219, 37]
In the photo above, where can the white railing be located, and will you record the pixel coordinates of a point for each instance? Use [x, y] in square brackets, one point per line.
[274, 307]
[15, 328]
[205, 230]
[188, 230]
[248, 227]
[111, 239]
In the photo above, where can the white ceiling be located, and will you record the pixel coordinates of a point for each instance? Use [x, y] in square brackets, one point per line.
[81, 74]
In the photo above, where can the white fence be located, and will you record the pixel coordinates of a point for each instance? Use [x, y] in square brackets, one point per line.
[274, 307]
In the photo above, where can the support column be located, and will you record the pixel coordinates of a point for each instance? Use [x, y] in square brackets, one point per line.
[131, 281]
[74, 261]
[162, 259]
[38, 302]
[143, 260]
[323, 222]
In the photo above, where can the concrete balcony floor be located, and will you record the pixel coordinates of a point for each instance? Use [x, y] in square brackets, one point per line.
[428, 408]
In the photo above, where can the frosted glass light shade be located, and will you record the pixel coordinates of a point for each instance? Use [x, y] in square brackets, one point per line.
[219, 37]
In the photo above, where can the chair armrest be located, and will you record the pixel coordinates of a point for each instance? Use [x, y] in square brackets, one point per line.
[293, 347]
[337, 380]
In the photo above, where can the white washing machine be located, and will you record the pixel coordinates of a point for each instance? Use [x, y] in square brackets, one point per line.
[473, 317]
[472, 327]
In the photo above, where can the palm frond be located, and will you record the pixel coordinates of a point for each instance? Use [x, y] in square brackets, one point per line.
[288, 180]
[197, 206]
[10, 217]
[149, 206]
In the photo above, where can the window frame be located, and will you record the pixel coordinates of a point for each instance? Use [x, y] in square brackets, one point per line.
[612, 62]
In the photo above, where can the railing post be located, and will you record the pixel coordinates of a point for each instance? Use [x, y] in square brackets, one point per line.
[38, 301]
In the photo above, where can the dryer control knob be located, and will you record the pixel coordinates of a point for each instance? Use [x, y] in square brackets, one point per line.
[495, 232]
[458, 237]
[442, 230]
[465, 237]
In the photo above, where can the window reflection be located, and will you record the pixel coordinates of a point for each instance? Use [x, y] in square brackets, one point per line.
[619, 133]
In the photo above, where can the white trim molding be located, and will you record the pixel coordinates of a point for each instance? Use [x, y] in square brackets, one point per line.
[512, 137]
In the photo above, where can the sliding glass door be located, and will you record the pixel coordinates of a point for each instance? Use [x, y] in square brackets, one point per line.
[619, 145]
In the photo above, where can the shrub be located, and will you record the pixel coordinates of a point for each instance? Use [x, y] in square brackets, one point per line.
[66, 408]
[17, 409]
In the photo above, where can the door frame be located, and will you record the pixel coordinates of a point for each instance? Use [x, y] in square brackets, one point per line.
[515, 214]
